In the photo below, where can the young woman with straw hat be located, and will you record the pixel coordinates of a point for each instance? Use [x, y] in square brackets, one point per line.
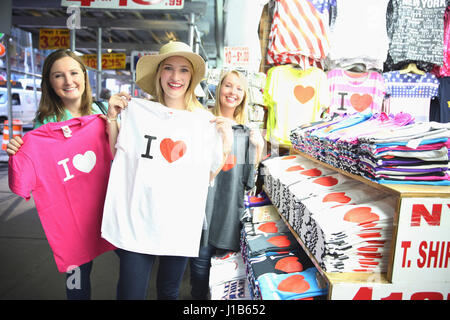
[167, 152]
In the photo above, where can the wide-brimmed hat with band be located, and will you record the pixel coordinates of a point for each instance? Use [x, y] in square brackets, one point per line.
[147, 66]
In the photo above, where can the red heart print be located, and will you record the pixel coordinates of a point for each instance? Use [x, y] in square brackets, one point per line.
[361, 102]
[280, 241]
[361, 215]
[312, 172]
[303, 94]
[268, 227]
[288, 157]
[289, 265]
[229, 163]
[295, 168]
[326, 181]
[336, 197]
[172, 151]
[294, 283]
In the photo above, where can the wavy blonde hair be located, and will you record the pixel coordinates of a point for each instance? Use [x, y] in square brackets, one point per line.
[240, 113]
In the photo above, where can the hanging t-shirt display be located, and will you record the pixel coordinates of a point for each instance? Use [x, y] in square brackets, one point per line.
[299, 32]
[443, 113]
[355, 92]
[225, 202]
[417, 31]
[444, 70]
[411, 93]
[359, 34]
[159, 180]
[65, 165]
[293, 96]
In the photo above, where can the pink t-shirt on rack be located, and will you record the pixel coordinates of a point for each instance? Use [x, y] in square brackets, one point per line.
[68, 177]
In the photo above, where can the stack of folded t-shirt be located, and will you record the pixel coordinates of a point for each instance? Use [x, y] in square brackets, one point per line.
[269, 248]
[336, 142]
[357, 237]
[227, 280]
[413, 154]
[331, 248]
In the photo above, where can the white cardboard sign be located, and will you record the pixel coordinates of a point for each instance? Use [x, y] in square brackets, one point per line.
[422, 249]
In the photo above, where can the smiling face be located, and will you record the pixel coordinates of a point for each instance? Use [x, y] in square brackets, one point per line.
[232, 92]
[67, 80]
[176, 74]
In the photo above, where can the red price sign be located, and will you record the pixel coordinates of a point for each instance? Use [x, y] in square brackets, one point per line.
[50, 39]
[236, 56]
[126, 4]
[110, 61]
[391, 291]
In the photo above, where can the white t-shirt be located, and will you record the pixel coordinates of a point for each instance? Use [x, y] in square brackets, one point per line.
[155, 203]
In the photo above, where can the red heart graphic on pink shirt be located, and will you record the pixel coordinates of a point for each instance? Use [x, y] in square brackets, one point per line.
[361, 102]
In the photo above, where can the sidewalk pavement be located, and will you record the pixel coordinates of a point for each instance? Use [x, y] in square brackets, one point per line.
[27, 267]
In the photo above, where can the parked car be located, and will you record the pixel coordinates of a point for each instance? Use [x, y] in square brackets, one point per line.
[25, 103]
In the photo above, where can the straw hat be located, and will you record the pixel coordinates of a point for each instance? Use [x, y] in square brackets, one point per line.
[147, 66]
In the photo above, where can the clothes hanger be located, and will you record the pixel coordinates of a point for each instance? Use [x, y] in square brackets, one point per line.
[412, 68]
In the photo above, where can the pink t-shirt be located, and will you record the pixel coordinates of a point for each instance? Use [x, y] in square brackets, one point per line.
[68, 177]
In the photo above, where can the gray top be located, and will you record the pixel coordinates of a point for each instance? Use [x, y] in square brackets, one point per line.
[225, 202]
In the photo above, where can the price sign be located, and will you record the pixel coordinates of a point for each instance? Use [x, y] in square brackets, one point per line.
[422, 249]
[236, 56]
[420, 290]
[50, 39]
[126, 4]
[110, 61]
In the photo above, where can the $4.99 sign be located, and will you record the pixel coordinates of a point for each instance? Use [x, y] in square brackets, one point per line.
[109, 61]
[50, 39]
[126, 4]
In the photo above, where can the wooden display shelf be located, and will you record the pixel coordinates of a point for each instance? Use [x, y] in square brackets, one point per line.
[402, 190]
[332, 278]
[412, 232]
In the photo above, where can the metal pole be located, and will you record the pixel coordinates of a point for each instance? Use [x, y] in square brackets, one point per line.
[32, 67]
[191, 30]
[8, 81]
[99, 63]
[72, 39]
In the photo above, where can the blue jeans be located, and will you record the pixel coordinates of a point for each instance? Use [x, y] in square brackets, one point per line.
[78, 282]
[135, 270]
[200, 268]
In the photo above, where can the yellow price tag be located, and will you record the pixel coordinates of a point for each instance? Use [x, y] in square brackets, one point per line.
[110, 61]
[50, 39]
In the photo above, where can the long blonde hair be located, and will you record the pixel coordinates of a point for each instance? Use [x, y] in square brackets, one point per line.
[190, 99]
[51, 104]
[240, 113]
